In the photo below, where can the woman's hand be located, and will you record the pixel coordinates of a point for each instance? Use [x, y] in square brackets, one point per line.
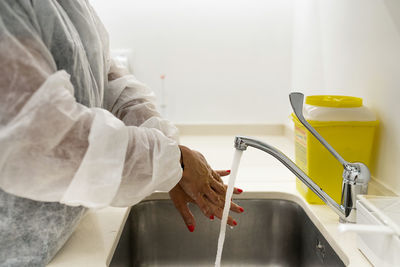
[202, 185]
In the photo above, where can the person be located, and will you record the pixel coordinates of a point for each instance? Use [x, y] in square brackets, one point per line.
[78, 131]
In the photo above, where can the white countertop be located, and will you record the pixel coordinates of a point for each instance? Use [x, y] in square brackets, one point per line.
[260, 175]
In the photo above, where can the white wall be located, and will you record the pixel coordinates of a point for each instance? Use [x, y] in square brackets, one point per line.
[364, 56]
[236, 61]
[225, 61]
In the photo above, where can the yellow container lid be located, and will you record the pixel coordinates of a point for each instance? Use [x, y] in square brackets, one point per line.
[334, 101]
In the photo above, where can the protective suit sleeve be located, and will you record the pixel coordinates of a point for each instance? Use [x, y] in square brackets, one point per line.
[55, 149]
[134, 103]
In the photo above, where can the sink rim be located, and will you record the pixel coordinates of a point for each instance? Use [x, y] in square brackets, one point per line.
[253, 195]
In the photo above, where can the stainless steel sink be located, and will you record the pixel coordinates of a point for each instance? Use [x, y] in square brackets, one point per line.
[271, 232]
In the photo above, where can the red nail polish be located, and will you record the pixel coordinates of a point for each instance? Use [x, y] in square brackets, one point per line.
[239, 190]
[212, 217]
[228, 171]
[234, 222]
[241, 209]
[191, 228]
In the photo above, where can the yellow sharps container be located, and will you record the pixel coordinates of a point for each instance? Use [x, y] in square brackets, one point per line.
[347, 125]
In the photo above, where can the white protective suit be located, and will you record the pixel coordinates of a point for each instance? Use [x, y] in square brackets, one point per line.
[68, 134]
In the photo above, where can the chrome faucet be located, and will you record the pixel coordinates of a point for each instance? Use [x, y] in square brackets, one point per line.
[355, 175]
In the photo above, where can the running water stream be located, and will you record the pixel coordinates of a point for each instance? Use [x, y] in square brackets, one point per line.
[228, 197]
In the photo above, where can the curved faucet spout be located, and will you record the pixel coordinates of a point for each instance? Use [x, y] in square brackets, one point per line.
[242, 142]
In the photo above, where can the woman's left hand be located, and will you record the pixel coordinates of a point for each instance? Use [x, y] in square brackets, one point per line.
[202, 185]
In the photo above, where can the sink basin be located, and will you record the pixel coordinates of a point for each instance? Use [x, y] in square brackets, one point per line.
[271, 232]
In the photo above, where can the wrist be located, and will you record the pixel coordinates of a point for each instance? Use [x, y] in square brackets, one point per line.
[182, 149]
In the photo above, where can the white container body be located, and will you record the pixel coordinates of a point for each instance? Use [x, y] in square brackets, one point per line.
[318, 113]
[381, 250]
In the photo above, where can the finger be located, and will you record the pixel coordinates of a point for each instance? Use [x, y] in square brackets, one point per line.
[221, 189]
[237, 190]
[205, 206]
[223, 173]
[218, 187]
[219, 212]
[231, 221]
[216, 199]
[217, 177]
[187, 216]
[236, 208]
[233, 207]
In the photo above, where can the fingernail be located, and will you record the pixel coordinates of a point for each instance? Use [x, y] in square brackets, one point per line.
[239, 190]
[191, 228]
[212, 217]
[234, 222]
[228, 171]
[241, 209]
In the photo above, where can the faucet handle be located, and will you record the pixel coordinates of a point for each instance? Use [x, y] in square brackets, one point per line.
[296, 100]
[357, 173]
